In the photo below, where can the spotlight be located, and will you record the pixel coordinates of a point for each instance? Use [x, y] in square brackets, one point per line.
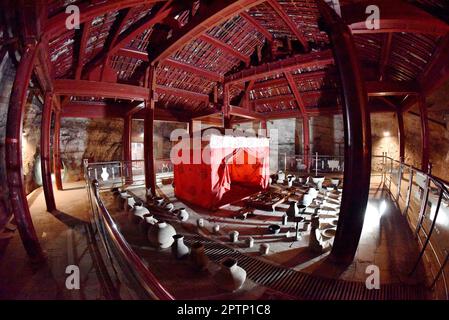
[386, 133]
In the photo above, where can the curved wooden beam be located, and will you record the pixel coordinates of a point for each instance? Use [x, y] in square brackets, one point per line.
[89, 11]
[357, 170]
[47, 184]
[208, 15]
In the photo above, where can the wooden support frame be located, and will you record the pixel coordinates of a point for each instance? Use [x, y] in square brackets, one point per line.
[289, 22]
[425, 133]
[150, 176]
[258, 26]
[225, 48]
[57, 150]
[127, 155]
[357, 171]
[13, 156]
[82, 49]
[45, 152]
[401, 135]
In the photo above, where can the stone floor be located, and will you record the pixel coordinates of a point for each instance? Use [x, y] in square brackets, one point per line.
[386, 242]
[63, 236]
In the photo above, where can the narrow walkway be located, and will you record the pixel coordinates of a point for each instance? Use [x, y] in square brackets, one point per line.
[64, 236]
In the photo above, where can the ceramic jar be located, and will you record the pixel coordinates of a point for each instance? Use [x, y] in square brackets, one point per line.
[200, 222]
[292, 210]
[335, 182]
[161, 235]
[284, 219]
[249, 242]
[169, 206]
[264, 248]
[198, 256]
[122, 199]
[281, 176]
[147, 221]
[178, 248]
[137, 212]
[216, 228]
[129, 204]
[234, 236]
[230, 277]
[183, 215]
[159, 201]
[318, 180]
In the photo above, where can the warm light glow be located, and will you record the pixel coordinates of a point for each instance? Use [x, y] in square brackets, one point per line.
[386, 133]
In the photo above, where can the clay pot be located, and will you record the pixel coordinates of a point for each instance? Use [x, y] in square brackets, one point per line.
[161, 235]
[121, 199]
[274, 229]
[284, 219]
[335, 182]
[129, 204]
[234, 236]
[137, 212]
[264, 248]
[318, 180]
[178, 248]
[249, 242]
[281, 176]
[200, 222]
[230, 277]
[183, 215]
[216, 228]
[159, 201]
[292, 210]
[301, 208]
[147, 221]
[307, 200]
[198, 256]
[169, 206]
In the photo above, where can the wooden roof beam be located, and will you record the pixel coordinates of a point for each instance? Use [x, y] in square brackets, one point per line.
[316, 59]
[82, 48]
[257, 25]
[225, 48]
[295, 91]
[391, 88]
[289, 22]
[208, 15]
[88, 11]
[385, 55]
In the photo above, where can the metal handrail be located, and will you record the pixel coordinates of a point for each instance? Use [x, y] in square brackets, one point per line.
[443, 191]
[148, 281]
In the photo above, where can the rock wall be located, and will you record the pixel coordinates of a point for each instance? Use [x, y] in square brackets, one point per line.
[97, 140]
[384, 134]
[327, 135]
[7, 73]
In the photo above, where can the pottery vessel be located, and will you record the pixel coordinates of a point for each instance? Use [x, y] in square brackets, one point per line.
[129, 204]
[146, 222]
[137, 212]
[216, 228]
[183, 215]
[292, 210]
[161, 235]
[249, 242]
[274, 229]
[335, 182]
[178, 248]
[159, 201]
[198, 256]
[104, 174]
[264, 248]
[122, 199]
[318, 180]
[230, 277]
[284, 219]
[234, 236]
[169, 206]
[200, 222]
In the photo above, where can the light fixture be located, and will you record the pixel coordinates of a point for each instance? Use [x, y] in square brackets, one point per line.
[386, 133]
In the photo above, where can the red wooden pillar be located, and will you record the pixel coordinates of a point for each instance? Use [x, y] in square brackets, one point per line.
[150, 177]
[306, 140]
[13, 155]
[57, 150]
[45, 152]
[226, 115]
[401, 135]
[424, 133]
[127, 133]
[357, 138]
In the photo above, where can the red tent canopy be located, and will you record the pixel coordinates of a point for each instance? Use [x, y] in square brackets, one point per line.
[229, 169]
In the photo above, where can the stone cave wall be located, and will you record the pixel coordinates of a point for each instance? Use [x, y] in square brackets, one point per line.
[7, 73]
[438, 143]
[384, 134]
[97, 140]
[327, 135]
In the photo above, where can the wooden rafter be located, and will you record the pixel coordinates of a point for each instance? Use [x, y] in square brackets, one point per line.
[88, 11]
[225, 48]
[82, 48]
[289, 22]
[295, 91]
[257, 25]
[208, 15]
[385, 55]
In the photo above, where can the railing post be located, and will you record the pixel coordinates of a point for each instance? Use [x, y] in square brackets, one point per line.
[399, 181]
[422, 211]
[409, 191]
[432, 227]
